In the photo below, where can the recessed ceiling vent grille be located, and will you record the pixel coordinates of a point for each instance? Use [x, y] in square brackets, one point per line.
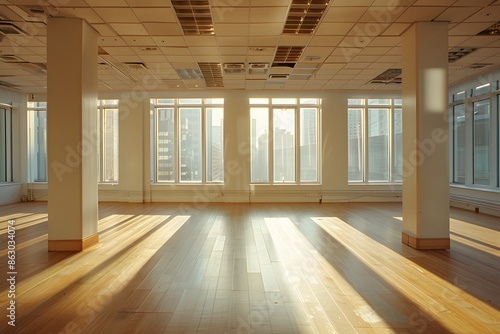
[458, 53]
[189, 73]
[194, 16]
[234, 68]
[11, 59]
[288, 54]
[391, 76]
[212, 72]
[10, 29]
[477, 66]
[493, 30]
[135, 66]
[304, 16]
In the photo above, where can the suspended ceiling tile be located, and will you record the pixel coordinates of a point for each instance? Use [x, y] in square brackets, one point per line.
[268, 14]
[326, 40]
[130, 29]
[121, 15]
[149, 3]
[334, 28]
[139, 40]
[457, 14]
[265, 29]
[165, 14]
[344, 14]
[201, 40]
[230, 14]
[176, 51]
[104, 30]
[163, 29]
[294, 40]
[169, 40]
[88, 14]
[424, 14]
[396, 29]
[232, 41]
[231, 29]
[107, 3]
[264, 40]
[471, 29]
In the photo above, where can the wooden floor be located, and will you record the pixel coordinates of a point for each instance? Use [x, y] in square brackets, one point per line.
[252, 268]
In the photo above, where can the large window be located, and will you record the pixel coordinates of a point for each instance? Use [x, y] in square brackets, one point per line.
[374, 140]
[107, 130]
[6, 144]
[284, 140]
[187, 140]
[108, 120]
[37, 112]
[459, 143]
[475, 138]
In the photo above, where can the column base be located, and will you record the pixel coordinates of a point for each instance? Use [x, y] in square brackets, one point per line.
[73, 245]
[425, 243]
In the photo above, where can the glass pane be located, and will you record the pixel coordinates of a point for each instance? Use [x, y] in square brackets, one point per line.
[309, 101]
[3, 145]
[459, 96]
[379, 102]
[165, 164]
[189, 101]
[190, 145]
[164, 101]
[355, 145]
[308, 145]
[152, 145]
[284, 101]
[355, 102]
[215, 145]
[482, 142]
[259, 137]
[459, 143]
[397, 168]
[110, 145]
[378, 145]
[398, 102]
[482, 89]
[284, 145]
[259, 101]
[40, 137]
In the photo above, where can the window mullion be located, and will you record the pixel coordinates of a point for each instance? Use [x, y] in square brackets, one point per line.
[297, 145]
[270, 149]
[204, 168]
[364, 120]
[177, 136]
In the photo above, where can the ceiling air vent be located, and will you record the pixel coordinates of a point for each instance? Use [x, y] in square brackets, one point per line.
[234, 68]
[212, 72]
[304, 16]
[493, 30]
[278, 76]
[135, 66]
[38, 68]
[390, 76]
[478, 66]
[11, 59]
[288, 54]
[189, 73]
[458, 53]
[10, 29]
[194, 16]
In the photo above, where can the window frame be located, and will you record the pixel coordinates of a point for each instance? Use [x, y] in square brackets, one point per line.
[8, 163]
[272, 104]
[177, 104]
[365, 105]
[104, 105]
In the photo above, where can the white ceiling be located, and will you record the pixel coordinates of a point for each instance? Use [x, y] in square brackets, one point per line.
[355, 41]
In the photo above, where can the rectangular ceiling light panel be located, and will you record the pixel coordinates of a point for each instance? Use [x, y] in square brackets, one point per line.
[304, 16]
[194, 16]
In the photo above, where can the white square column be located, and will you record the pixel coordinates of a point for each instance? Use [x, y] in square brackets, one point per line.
[71, 134]
[425, 136]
